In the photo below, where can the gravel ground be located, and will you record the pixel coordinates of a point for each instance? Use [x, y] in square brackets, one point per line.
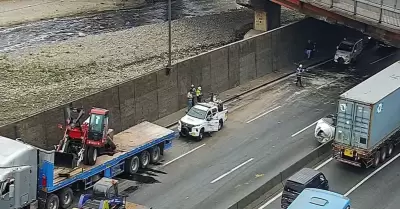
[35, 79]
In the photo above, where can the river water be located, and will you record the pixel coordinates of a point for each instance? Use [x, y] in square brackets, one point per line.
[59, 29]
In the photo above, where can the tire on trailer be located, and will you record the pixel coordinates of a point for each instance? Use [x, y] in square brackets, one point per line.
[52, 202]
[155, 154]
[376, 160]
[144, 159]
[66, 196]
[92, 155]
[383, 151]
[132, 165]
[390, 148]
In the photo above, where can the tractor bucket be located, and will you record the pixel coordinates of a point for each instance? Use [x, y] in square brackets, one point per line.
[66, 160]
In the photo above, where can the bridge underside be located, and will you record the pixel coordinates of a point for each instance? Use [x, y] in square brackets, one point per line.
[381, 25]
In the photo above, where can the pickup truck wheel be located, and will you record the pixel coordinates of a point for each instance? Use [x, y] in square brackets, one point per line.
[184, 132]
[201, 135]
[155, 154]
[390, 148]
[132, 165]
[65, 196]
[52, 202]
[144, 159]
[377, 158]
[220, 125]
[91, 155]
[383, 154]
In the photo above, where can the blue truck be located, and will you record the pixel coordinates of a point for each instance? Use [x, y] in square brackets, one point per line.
[367, 122]
[30, 177]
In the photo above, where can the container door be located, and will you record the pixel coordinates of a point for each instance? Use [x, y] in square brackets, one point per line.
[344, 122]
[361, 126]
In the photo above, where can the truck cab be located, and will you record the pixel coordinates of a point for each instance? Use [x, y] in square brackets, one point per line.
[18, 175]
[203, 118]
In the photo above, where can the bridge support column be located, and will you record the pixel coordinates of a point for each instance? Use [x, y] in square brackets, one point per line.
[267, 16]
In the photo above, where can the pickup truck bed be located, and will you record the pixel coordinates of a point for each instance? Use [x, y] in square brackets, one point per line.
[128, 142]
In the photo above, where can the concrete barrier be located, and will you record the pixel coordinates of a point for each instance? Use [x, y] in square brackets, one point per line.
[317, 155]
[156, 94]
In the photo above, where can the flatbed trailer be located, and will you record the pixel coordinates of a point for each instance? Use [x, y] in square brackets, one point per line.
[132, 144]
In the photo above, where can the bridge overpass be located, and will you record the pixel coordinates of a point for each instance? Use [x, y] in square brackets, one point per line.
[379, 19]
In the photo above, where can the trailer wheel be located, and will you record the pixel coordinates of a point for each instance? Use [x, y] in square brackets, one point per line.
[132, 165]
[66, 196]
[144, 159]
[390, 148]
[377, 158]
[52, 202]
[91, 155]
[155, 154]
[383, 154]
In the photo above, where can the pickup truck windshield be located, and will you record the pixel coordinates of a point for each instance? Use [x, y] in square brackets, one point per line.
[345, 47]
[197, 113]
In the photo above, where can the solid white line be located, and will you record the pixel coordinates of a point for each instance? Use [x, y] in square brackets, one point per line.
[280, 194]
[233, 169]
[304, 129]
[381, 59]
[317, 65]
[370, 175]
[320, 87]
[324, 163]
[183, 155]
[270, 201]
[262, 115]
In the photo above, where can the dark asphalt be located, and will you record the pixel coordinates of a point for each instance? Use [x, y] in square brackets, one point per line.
[381, 190]
[266, 143]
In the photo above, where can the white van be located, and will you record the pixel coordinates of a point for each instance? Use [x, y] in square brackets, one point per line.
[348, 51]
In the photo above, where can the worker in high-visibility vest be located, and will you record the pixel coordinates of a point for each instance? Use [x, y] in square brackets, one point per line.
[199, 94]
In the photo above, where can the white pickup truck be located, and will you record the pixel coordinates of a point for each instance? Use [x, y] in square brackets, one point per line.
[325, 129]
[203, 118]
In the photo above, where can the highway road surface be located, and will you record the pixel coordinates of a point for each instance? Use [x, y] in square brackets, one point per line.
[367, 188]
[266, 131]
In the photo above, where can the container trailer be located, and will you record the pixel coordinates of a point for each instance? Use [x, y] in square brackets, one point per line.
[31, 178]
[368, 122]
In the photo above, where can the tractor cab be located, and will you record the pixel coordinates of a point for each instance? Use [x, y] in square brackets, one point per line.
[98, 124]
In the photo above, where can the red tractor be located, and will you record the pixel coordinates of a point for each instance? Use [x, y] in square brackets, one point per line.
[89, 139]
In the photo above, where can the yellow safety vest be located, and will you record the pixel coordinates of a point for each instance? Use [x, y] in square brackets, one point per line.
[198, 92]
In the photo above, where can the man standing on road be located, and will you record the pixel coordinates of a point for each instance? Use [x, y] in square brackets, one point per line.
[199, 95]
[299, 71]
[193, 91]
[309, 49]
[190, 100]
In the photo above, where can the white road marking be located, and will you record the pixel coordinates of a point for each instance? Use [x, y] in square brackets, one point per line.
[232, 170]
[381, 59]
[183, 155]
[372, 174]
[280, 194]
[304, 129]
[317, 65]
[324, 163]
[262, 114]
[320, 87]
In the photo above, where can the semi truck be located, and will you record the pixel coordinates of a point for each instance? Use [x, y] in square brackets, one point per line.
[367, 122]
[31, 177]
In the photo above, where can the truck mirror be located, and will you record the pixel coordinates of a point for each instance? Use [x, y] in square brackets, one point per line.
[12, 189]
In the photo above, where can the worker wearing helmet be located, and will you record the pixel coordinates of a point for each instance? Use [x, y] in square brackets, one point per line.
[193, 92]
[299, 71]
[199, 94]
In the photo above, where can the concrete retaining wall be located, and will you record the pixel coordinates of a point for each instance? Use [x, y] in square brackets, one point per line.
[316, 155]
[156, 95]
